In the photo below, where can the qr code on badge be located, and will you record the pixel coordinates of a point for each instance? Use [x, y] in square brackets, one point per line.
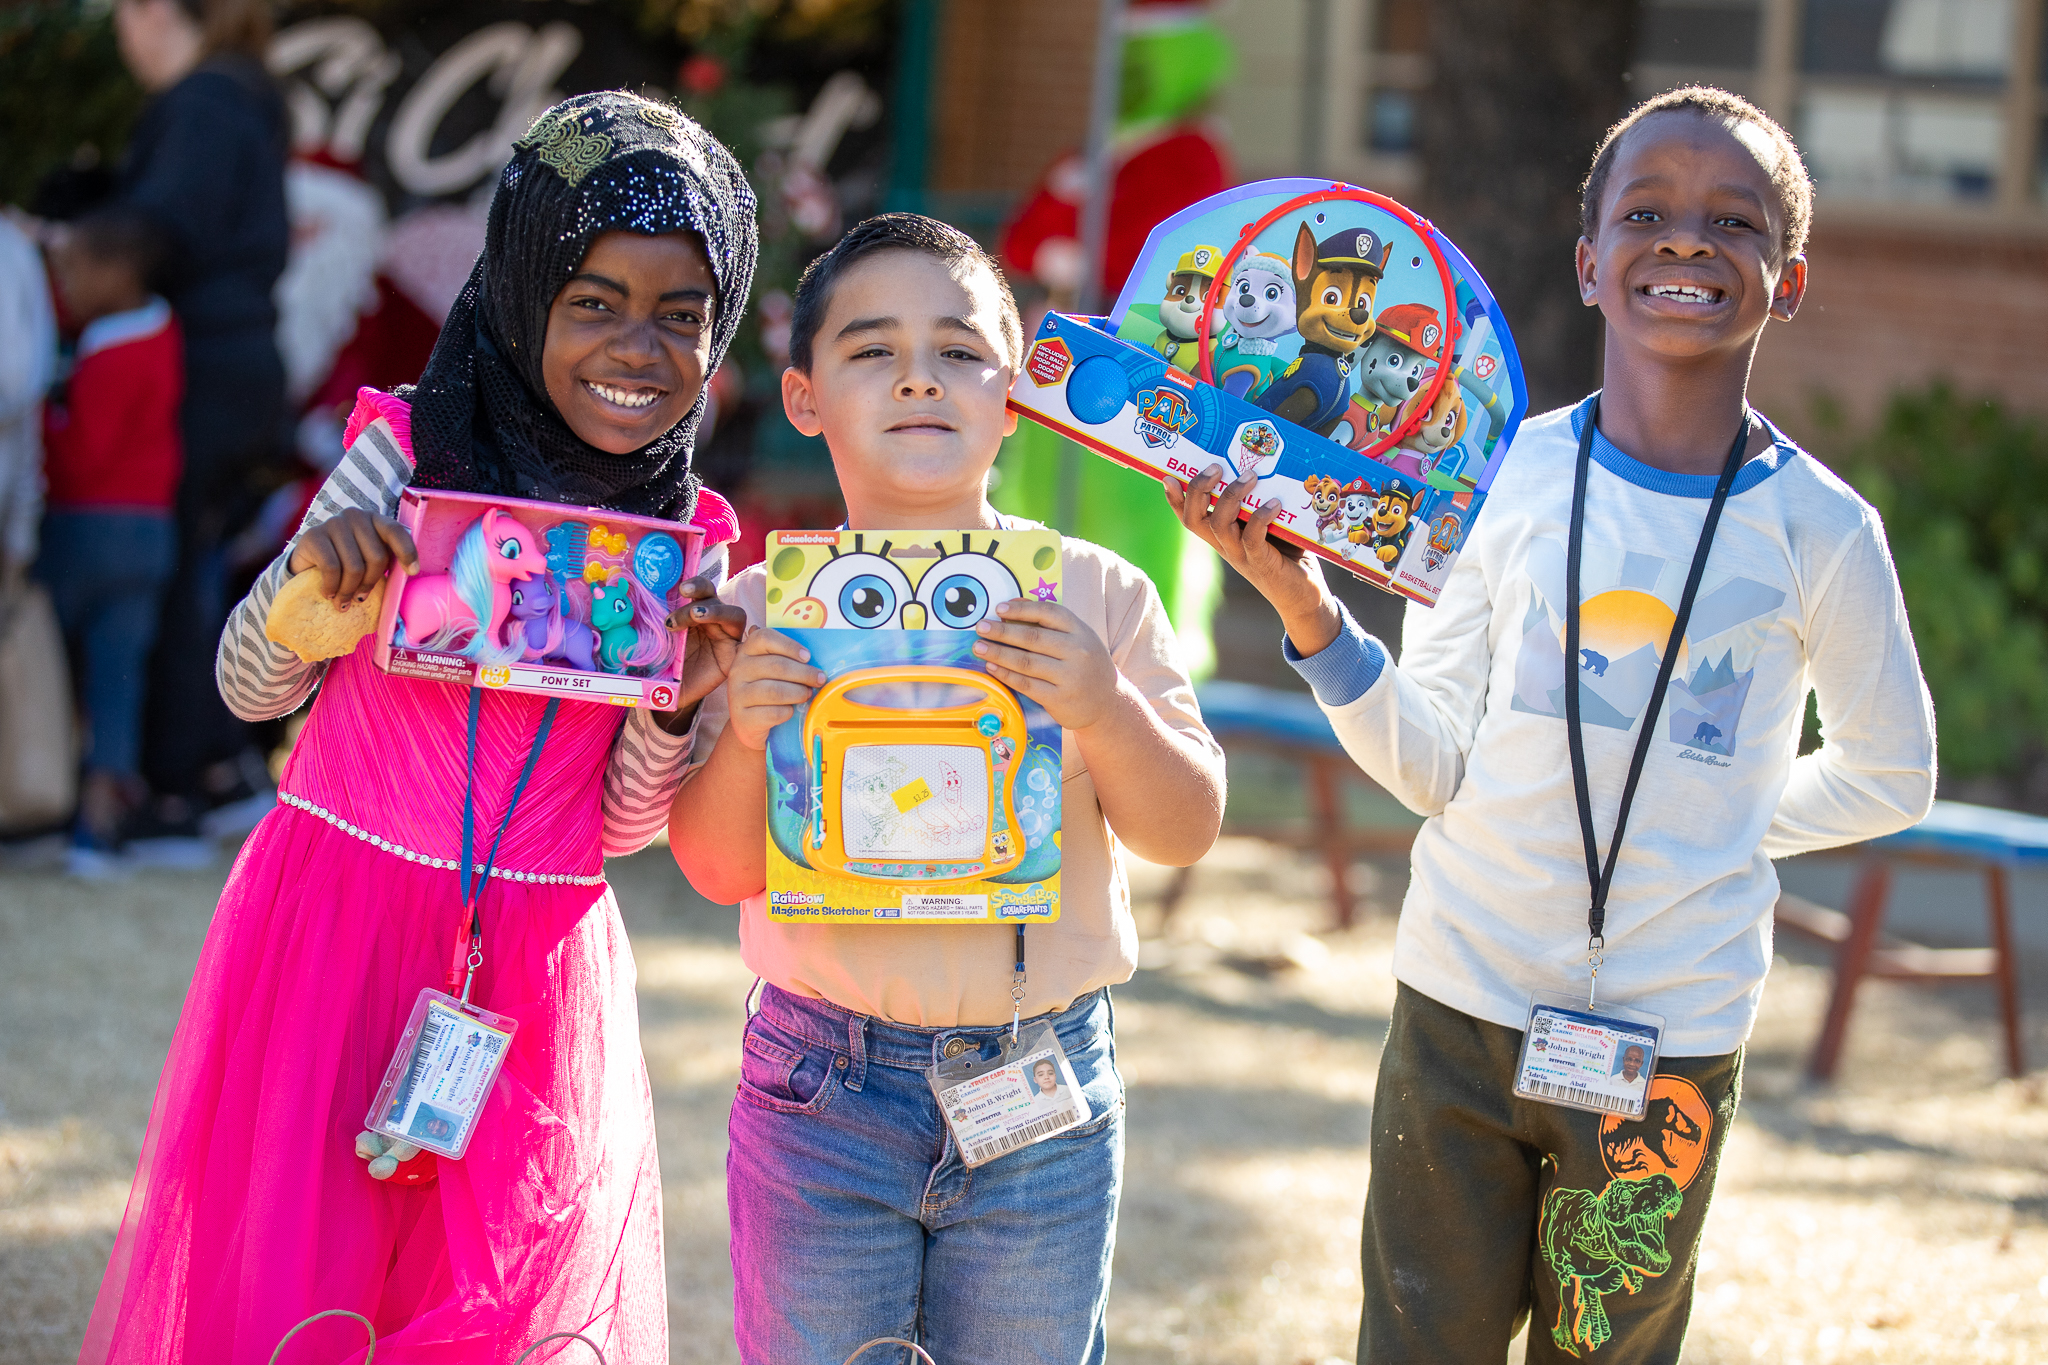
[1543, 1024]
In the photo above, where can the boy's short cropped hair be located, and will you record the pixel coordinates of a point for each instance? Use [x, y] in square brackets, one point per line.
[893, 232]
[128, 237]
[1788, 175]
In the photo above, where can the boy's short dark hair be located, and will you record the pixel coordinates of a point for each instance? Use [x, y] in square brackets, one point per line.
[893, 232]
[1788, 177]
[128, 237]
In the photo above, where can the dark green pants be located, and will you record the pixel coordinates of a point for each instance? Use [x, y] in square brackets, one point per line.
[1484, 1209]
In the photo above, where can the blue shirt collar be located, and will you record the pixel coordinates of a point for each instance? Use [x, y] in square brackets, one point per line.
[1626, 467]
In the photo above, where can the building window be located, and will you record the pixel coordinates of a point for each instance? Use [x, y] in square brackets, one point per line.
[1699, 33]
[1904, 99]
[1398, 63]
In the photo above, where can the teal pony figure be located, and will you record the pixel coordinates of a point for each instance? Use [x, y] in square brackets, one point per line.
[611, 616]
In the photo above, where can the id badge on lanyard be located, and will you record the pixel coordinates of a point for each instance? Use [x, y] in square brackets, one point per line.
[450, 1054]
[1025, 1094]
[1593, 1056]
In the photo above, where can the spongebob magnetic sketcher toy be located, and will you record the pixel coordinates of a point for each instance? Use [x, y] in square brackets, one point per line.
[913, 774]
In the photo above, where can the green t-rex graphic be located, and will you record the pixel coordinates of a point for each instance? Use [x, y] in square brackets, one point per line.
[1598, 1243]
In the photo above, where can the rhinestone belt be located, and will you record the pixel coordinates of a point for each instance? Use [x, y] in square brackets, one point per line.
[411, 856]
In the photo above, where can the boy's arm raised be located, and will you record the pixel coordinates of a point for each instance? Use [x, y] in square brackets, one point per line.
[1874, 773]
[1409, 728]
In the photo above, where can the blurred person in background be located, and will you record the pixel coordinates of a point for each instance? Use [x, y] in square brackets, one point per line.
[112, 453]
[26, 362]
[206, 166]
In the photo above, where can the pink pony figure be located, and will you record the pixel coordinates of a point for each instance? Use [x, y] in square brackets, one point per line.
[472, 601]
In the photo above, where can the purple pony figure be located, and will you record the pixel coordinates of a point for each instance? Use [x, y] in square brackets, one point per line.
[547, 633]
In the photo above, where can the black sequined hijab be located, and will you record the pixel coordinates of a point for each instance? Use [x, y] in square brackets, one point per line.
[481, 417]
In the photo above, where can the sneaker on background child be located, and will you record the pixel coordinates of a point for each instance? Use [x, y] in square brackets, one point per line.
[853, 1216]
[111, 454]
[1542, 657]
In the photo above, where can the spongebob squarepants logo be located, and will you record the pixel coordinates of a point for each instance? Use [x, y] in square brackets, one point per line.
[1163, 417]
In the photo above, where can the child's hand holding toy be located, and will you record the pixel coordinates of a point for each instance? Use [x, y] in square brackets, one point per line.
[1291, 580]
[771, 676]
[715, 630]
[337, 584]
[353, 552]
[1051, 656]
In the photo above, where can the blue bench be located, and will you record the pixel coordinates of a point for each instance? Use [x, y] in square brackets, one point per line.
[1292, 726]
[1955, 835]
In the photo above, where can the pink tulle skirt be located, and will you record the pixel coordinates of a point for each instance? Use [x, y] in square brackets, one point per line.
[251, 1211]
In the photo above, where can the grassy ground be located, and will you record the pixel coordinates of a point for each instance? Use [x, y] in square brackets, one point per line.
[1900, 1216]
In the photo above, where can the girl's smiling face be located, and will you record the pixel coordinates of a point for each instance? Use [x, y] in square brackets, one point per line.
[629, 338]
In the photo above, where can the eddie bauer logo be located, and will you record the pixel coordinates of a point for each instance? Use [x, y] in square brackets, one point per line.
[1163, 417]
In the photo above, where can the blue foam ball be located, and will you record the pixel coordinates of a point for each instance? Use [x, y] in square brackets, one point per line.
[1097, 390]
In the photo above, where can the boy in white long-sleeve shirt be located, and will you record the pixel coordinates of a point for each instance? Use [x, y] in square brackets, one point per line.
[1486, 1204]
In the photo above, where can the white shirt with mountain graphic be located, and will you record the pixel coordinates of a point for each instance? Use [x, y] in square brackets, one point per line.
[1799, 594]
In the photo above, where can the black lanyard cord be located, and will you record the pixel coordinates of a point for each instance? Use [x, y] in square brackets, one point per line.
[1601, 878]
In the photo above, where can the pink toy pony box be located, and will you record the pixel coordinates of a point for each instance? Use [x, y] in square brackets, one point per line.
[537, 597]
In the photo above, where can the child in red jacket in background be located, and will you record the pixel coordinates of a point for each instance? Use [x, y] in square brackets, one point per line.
[112, 455]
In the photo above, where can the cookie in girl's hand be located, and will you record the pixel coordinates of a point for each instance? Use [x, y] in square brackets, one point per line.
[306, 622]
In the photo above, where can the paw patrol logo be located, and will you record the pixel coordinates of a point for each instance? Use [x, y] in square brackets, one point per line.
[1366, 246]
[1430, 332]
[1485, 366]
[1163, 417]
[1201, 256]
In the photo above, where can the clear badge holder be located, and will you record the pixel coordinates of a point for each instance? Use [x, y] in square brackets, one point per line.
[1580, 1057]
[447, 1060]
[1025, 1094]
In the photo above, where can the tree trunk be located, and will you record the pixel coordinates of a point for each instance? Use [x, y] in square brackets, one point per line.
[1521, 93]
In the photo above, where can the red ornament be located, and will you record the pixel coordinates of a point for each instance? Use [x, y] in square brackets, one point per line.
[702, 74]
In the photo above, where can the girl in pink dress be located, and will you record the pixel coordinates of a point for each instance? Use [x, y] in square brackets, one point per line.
[620, 249]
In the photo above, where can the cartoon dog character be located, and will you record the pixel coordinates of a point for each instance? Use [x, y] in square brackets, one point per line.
[1407, 341]
[1180, 312]
[1335, 281]
[1391, 521]
[1260, 310]
[1326, 497]
[1442, 426]
[1359, 499]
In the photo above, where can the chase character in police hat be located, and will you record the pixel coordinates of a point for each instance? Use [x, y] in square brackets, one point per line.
[1180, 312]
[1335, 280]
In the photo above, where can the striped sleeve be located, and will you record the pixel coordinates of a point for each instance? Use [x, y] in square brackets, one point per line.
[258, 679]
[647, 765]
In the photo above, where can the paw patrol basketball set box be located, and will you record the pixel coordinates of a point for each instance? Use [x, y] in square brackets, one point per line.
[1320, 335]
[536, 597]
[912, 787]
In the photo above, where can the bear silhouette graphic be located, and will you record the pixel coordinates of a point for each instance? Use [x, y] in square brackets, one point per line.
[1596, 662]
[1707, 733]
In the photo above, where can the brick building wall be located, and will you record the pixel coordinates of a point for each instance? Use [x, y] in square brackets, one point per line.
[1894, 308]
[1011, 91]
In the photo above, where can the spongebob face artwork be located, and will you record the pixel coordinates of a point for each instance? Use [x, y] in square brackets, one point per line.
[1299, 331]
[912, 786]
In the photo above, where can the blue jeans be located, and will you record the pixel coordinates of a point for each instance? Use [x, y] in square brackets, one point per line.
[853, 1217]
[106, 572]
